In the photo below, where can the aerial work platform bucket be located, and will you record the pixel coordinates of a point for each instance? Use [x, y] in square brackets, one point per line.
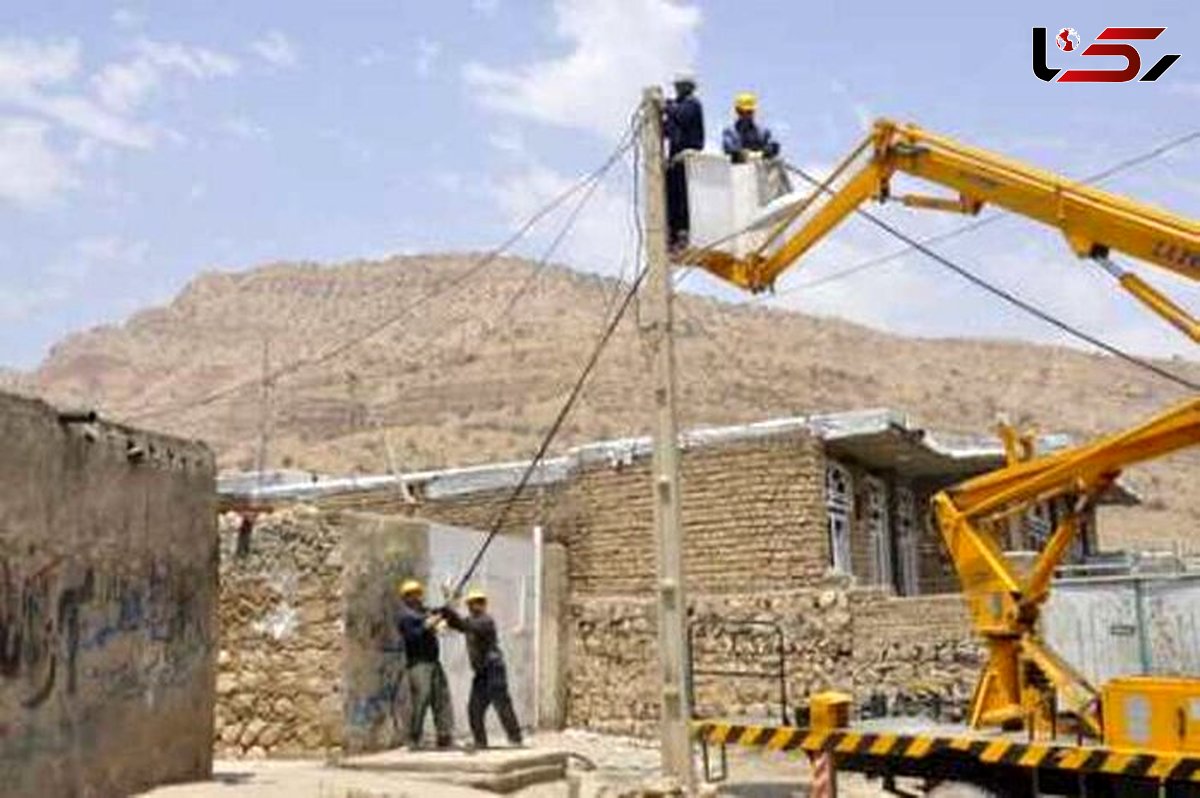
[734, 207]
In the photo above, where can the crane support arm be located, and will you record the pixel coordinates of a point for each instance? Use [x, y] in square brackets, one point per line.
[1095, 223]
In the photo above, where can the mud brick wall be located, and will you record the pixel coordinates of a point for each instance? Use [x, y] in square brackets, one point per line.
[753, 517]
[108, 600]
[855, 640]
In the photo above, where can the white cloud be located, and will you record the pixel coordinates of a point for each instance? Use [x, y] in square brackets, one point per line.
[124, 85]
[42, 81]
[26, 65]
[20, 304]
[127, 18]
[111, 249]
[616, 48]
[486, 8]
[427, 56]
[1186, 88]
[374, 57]
[31, 173]
[67, 276]
[276, 49]
[602, 238]
[246, 129]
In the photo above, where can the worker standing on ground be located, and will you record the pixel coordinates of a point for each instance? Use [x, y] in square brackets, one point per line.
[489, 687]
[427, 681]
[745, 136]
[683, 127]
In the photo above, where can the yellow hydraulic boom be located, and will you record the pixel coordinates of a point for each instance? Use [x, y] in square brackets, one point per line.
[1094, 222]
[1023, 676]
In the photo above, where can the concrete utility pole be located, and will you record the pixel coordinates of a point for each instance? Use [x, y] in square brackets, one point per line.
[264, 412]
[672, 608]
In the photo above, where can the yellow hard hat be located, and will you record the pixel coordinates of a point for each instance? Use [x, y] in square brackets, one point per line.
[410, 586]
[476, 594]
[746, 101]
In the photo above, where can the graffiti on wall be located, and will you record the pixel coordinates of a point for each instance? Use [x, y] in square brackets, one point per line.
[124, 631]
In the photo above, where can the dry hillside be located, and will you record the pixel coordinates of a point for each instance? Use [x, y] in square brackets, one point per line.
[460, 380]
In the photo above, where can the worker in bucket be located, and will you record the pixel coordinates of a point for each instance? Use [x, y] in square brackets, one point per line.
[428, 688]
[489, 686]
[745, 137]
[683, 127]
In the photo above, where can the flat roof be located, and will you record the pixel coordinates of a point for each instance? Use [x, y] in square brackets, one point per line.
[879, 439]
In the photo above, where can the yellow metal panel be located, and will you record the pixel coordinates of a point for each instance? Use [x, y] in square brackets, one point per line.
[995, 750]
[883, 744]
[1115, 763]
[1034, 755]
[815, 740]
[1162, 766]
[830, 710]
[920, 747]
[849, 742]
[1074, 759]
[1152, 713]
[780, 738]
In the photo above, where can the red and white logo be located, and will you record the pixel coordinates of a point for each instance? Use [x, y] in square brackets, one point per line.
[1067, 40]
[1110, 42]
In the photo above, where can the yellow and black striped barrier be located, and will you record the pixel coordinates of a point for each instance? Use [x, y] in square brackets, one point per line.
[997, 751]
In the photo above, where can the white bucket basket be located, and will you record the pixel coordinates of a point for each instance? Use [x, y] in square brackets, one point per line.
[734, 207]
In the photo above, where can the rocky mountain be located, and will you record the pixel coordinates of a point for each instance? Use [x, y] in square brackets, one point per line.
[472, 369]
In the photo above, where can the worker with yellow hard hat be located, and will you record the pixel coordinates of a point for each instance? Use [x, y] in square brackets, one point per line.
[489, 686]
[745, 138]
[428, 688]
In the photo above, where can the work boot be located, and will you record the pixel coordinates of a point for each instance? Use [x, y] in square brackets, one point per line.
[445, 743]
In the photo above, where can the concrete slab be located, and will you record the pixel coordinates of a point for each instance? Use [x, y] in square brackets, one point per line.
[311, 779]
[501, 770]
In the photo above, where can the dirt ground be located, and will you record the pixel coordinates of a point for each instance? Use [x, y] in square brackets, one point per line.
[602, 767]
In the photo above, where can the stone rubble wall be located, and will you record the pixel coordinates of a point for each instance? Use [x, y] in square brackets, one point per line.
[861, 641]
[108, 605]
[279, 684]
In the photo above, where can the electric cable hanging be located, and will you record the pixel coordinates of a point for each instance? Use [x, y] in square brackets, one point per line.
[340, 348]
[1115, 169]
[1005, 294]
[502, 514]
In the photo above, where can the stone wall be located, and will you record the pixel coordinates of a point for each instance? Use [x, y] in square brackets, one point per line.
[108, 594]
[310, 660]
[908, 650]
[279, 687]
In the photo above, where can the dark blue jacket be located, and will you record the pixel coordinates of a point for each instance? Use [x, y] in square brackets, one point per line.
[483, 641]
[683, 125]
[745, 136]
[420, 643]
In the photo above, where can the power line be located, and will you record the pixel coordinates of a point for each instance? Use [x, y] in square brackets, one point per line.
[1008, 296]
[1122, 166]
[502, 514]
[338, 349]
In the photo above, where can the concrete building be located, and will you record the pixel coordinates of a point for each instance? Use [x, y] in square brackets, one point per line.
[108, 599]
[815, 528]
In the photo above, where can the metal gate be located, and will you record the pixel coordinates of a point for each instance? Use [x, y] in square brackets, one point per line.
[1126, 625]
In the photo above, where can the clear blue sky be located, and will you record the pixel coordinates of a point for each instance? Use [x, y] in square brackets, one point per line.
[142, 143]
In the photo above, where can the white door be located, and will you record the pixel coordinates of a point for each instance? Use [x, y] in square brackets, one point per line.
[838, 502]
[878, 529]
[907, 542]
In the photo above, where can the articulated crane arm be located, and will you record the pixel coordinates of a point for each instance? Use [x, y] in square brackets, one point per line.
[1023, 676]
[1094, 222]
[1004, 603]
